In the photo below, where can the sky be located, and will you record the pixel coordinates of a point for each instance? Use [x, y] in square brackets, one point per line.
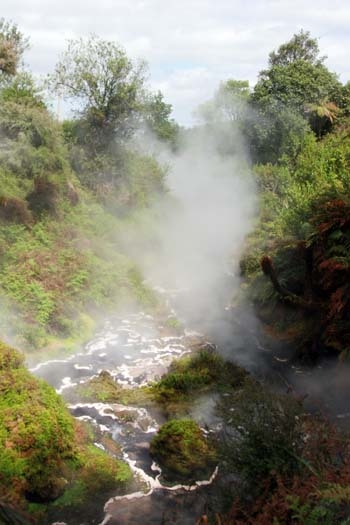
[190, 45]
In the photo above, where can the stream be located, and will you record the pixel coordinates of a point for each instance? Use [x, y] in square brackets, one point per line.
[138, 349]
[134, 350]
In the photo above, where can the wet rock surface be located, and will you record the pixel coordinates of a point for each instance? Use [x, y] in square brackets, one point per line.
[131, 352]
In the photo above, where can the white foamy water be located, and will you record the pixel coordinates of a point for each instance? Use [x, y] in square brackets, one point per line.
[135, 351]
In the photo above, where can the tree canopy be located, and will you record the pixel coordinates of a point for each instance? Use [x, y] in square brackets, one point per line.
[156, 115]
[300, 47]
[294, 95]
[103, 80]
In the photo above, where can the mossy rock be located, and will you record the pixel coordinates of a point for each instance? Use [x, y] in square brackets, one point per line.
[203, 371]
[182, 451]
[105, 389]
[98, 477]
[101, 388]
[46, 455]
[36, 432]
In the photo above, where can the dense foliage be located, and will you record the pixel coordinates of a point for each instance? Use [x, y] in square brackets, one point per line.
[299, 138]
[66, 199]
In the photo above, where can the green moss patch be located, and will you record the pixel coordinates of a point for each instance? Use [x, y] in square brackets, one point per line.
[195, 374]
[36, 432]
[105, 389]
[182, 451]
[46, 456]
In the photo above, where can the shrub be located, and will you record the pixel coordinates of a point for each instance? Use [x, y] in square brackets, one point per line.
[262, 432]
[15, 210]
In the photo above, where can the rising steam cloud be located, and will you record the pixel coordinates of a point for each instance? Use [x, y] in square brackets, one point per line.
[202, 225]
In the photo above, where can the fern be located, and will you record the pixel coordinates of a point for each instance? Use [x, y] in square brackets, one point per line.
[334, 493]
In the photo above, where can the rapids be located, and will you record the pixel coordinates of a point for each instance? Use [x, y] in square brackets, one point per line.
[135, 351]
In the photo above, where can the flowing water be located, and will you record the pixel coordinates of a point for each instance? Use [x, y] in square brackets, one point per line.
[135, 351]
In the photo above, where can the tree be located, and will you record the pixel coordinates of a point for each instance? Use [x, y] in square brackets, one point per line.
[322, 115]
[224, 116]
[300, 47]
[275, 134]
[228, 105]
[102, 79]
[295, 81]
[294, 85]
[157, 118]
[12, 46]
[21, 89]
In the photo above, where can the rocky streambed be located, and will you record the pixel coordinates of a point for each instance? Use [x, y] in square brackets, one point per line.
[131, 352]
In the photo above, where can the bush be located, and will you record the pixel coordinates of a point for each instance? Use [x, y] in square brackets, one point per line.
[44, 196]
[262, 433]
[14, 210]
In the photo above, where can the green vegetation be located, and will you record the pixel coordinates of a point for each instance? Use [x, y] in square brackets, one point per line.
[71, 196]
[105, 389]
[300, 141]
[262, 432]
[98, 473]
[71, 192]
[99, 74]
[46, 455]
[292, 467]
[189, 377]
[182, 451]
[36, 432]
[12, 46]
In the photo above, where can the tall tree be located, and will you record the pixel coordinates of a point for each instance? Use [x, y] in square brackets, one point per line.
[296, 76]
[295, 81]
[300, 47]
[106, 84]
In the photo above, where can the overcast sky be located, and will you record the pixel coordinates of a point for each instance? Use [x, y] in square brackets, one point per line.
[190, 45]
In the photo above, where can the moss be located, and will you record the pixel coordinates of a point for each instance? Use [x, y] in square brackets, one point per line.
[101, 388]
[104, 388]
[187, 377]
[47, 455]
[192, 375]
[182, 451]
[9, 358]
[36, 432]
[101, 471]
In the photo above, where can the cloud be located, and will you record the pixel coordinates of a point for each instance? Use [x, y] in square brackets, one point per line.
[214, 40]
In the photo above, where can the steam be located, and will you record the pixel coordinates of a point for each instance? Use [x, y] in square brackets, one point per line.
[203, 221]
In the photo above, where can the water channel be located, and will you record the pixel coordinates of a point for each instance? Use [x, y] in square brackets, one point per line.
[135, 350]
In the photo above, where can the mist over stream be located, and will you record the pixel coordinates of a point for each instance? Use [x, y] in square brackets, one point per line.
[192, 262]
